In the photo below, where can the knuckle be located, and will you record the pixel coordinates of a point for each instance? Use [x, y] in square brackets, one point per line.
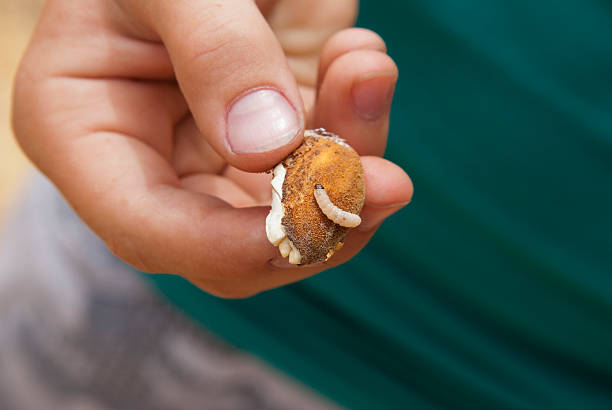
[222, 47]
[213, 35]
[223, 60]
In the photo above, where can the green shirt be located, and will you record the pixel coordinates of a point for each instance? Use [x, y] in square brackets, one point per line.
[493, 288]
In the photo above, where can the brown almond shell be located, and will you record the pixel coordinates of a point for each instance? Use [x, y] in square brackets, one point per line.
[328, 161]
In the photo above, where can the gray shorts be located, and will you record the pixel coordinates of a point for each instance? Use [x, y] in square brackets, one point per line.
[81, 330]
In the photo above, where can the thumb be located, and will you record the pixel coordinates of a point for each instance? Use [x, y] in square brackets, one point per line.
[235, 78]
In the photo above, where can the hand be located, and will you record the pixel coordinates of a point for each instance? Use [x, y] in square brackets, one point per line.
[152, 118]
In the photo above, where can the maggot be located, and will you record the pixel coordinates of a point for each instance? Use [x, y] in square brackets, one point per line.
[337, 215]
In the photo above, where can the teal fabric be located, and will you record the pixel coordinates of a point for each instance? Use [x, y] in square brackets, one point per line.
[493, 289]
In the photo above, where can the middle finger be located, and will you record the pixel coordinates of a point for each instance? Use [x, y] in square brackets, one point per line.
[355, 96]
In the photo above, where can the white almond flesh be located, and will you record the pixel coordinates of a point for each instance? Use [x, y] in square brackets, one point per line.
[274, 227]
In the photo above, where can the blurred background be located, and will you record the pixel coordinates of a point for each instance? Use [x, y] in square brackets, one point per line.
[17, 20]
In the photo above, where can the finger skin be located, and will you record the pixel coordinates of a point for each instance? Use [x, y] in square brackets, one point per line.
[105, 138]
[347, 40]
[219, 187]
[222, 52]
[336, 110]
[388, 189]
[192, 153]
[304, 27]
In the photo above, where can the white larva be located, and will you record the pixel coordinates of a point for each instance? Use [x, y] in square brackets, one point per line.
[337, 215]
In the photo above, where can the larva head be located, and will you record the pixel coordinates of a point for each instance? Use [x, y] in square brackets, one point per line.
[326, 160]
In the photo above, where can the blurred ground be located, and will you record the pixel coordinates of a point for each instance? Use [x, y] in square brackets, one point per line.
[17, 19]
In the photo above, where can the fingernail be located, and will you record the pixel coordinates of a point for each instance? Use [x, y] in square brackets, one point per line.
[372, 95]
[261, 121]
[376, 215]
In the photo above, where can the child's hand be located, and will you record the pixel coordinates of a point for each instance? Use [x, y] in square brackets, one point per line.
[147, 113]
